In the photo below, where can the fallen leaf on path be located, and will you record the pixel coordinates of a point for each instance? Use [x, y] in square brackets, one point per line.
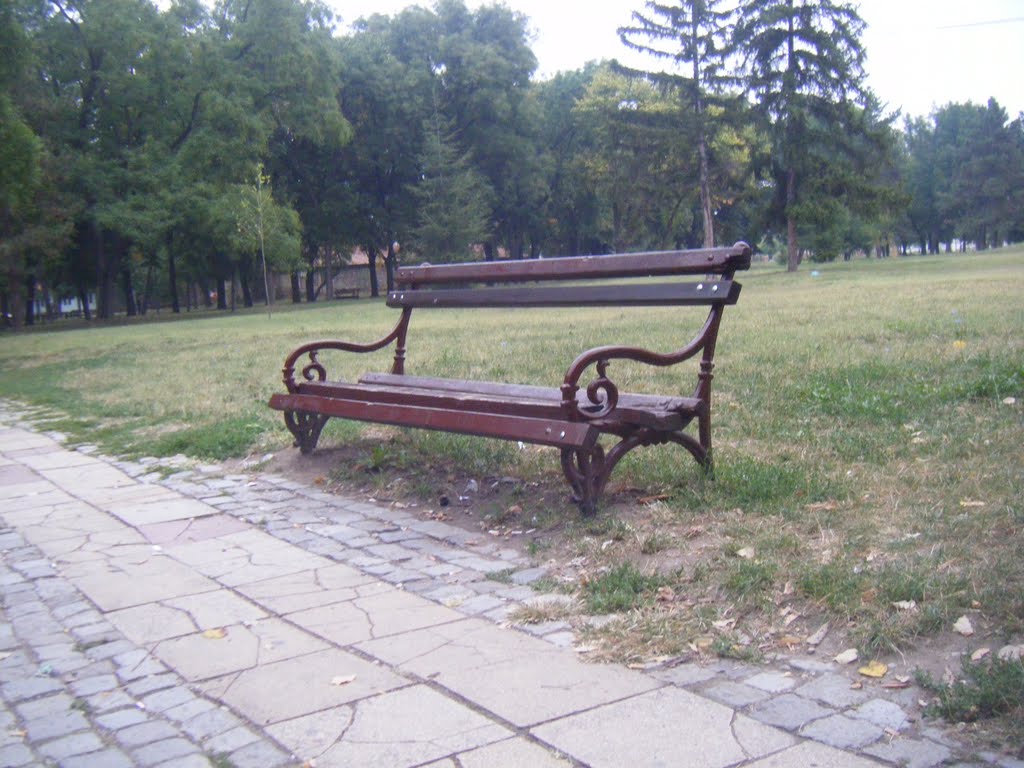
[981, 653]
[822, 506]
[896, 685]
[666, 594]
[971, 503]
[646, 500]
[874, 669]
[342, 679]
[819, 635]
[846, 657]
[963, 626]
[1011, 653]
[747, 553]
[905, 605]
[215, 634]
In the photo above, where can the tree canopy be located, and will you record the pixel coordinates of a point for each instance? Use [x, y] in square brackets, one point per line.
[131, 133]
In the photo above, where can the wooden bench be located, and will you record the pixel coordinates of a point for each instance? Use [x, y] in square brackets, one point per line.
[571, 417]
[346, 293]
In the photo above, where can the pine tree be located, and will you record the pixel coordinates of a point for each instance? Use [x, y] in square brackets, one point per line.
[804, 63]
[692, 35]
[453, 199]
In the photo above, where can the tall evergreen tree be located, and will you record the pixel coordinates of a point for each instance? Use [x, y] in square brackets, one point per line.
[693, 35]
[803, 63]
[453, 200]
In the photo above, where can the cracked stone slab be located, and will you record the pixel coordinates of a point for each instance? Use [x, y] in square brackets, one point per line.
[512, 753]
[83, 479]
[192, 529]
[389, 730]
[788, 711]
[199, 657]
[882, 713]
[520, 678]
[57, 458]
[311, 588]
[843, 732]
[911, 753]
[644, 732]
[161, 511]
[379, 615]
[834, 690]
[124, 582]
[244, 557]
[301, 686]
[814, 755]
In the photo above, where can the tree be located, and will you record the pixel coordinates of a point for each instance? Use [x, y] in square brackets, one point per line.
[803, 63]
[634, 159]
[267, 228]
[481, 65]
[453, 200]
[692, 34]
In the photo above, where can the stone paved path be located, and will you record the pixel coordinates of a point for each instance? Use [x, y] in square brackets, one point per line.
[154, 614]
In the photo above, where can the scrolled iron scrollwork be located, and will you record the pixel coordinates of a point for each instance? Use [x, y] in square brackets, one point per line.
[314, 367]
[602, 394]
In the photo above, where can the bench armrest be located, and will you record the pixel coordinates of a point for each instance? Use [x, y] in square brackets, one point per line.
[314, 370]
[602, 392]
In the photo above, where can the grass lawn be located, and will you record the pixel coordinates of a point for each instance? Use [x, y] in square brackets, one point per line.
[868, 437]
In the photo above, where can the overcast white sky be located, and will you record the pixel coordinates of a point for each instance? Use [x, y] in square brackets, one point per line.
[921, 53]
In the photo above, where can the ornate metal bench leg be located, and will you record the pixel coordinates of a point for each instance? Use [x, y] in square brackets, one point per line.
[306, 427]
[586, 473]
[704, 430]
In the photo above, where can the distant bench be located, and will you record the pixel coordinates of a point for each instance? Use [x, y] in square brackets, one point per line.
[570, 417]
[346, 293]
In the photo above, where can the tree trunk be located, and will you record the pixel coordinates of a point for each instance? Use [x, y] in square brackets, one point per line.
[792, 246]
[104, 276]
[371, 260]
[389, 265]
[328, 257]
[83, 300]
[244, 279]
[310, 285]
[172, 277]
[130, 306]
[17, 304]
[147, 290]
[296, 287]
[30, 300]
[222, 293]
[705, 193]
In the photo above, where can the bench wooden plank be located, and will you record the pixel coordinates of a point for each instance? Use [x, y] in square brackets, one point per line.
[697, 261]
[685, 405]
[543, 403]
[658, 294]
[551, 432]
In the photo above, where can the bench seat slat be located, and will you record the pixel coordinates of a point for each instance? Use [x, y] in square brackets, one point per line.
[686, 405]
[551, 432]
[615, 295]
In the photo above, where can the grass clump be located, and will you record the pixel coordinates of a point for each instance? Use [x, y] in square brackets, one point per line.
[991, 688]
[623, 588]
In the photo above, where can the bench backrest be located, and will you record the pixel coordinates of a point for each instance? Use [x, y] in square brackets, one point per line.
[458, 285]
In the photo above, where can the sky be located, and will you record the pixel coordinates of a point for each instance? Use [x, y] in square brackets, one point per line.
[922, 54]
